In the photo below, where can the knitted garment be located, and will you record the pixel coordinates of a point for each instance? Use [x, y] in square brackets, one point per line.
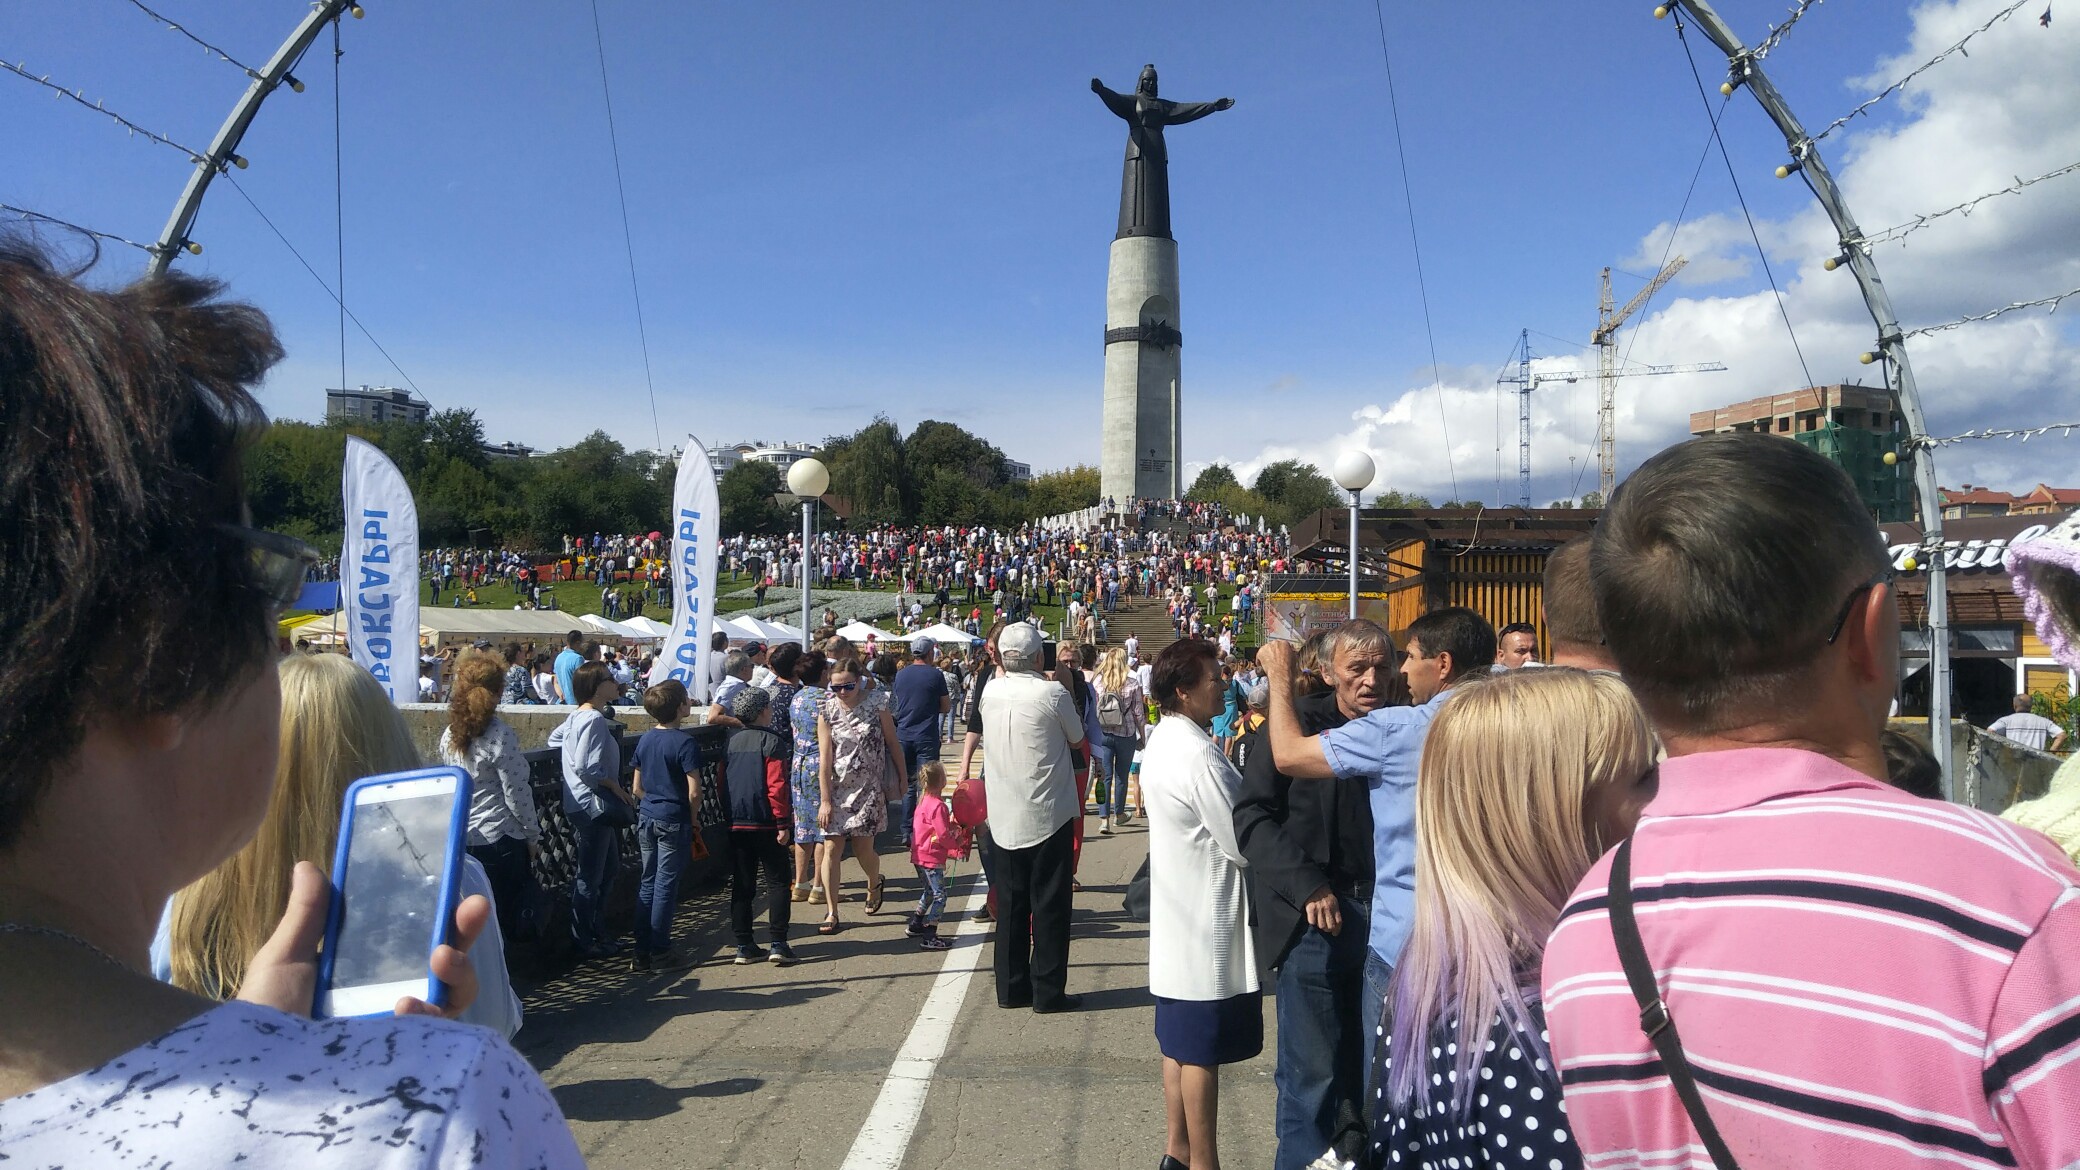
[2056, 814]
[2046, 572]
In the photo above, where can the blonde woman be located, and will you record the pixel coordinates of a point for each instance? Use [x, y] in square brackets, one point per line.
[1123, 721]
[858, 755]
[337, 726]
[1526, 779]
[503, 827]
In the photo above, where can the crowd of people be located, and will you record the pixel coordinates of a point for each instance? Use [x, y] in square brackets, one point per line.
[1663, 900]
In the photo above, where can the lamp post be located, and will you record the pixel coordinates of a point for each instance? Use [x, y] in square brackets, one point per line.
[1354, 473]
[808, 479]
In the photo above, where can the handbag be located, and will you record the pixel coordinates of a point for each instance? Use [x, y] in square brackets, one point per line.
[1654, 1019]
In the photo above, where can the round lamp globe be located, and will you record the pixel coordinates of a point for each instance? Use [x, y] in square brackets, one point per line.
[1354, 471]
[808, 478]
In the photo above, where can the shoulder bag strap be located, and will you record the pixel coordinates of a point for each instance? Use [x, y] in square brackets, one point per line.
[1653, 1014]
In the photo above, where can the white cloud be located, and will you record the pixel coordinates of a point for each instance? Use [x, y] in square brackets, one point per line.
[1973, 124]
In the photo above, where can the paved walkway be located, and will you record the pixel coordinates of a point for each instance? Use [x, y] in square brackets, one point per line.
[760, 1066]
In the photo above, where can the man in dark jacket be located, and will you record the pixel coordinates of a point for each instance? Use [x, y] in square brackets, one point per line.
[1310, 852]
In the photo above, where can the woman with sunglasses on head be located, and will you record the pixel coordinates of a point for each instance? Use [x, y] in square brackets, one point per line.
[126, 548]
[1526, 779]
[857, 755]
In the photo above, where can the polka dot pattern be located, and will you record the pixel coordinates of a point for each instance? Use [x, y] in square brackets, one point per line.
[1514, 1119]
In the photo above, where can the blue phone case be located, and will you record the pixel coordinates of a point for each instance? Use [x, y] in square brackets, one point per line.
[451, 878]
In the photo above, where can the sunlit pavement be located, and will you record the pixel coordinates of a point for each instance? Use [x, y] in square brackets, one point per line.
[763, 1066]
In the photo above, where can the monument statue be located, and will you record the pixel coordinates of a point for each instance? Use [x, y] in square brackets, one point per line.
[1144, 186]
[1139, 449]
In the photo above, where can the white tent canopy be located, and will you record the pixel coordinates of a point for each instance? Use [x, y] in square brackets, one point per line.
[946, 635]
[861, 631]
[651, 627]
[618, 629]
[772, 631]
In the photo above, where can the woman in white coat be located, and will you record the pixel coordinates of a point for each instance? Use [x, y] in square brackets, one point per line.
[1201, 969]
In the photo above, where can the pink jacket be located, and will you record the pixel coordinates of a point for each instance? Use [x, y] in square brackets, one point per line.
[931, 832]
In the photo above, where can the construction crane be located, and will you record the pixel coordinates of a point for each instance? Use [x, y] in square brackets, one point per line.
[1525, 382]
[1605, 339]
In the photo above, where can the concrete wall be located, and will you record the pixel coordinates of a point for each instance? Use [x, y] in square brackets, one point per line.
[1992, 772]
[1140, 407]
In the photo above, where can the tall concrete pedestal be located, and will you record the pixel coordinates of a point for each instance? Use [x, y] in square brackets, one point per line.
[1143, 352]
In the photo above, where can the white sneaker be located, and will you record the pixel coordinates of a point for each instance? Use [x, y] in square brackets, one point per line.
[1328, 1161]
[1105, 826]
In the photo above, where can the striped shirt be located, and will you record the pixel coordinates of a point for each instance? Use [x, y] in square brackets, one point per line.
[1860, 978]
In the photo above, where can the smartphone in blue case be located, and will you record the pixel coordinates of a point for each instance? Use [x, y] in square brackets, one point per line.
[395, 880]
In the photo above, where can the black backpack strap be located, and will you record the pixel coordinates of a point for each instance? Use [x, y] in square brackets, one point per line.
[1653, 1014]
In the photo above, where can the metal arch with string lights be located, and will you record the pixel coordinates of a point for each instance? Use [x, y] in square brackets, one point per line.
[1745, 71]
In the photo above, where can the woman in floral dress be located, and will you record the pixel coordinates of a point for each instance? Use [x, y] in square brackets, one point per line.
[859, 756]
[803, 713]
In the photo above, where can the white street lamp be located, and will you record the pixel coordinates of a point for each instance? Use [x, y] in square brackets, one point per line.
[808, 479]
[1354, 471]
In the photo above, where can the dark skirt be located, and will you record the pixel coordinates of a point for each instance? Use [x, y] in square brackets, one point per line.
[1209, 1032]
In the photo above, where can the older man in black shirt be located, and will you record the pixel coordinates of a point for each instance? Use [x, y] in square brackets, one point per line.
[1310, 849]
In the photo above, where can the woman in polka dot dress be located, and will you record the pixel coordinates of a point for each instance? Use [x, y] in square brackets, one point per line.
[1526, 779]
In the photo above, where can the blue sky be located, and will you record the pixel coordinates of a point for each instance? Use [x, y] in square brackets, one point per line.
[840, 209]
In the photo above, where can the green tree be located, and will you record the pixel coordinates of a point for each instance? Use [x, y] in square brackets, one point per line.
[457, 435]
[1400, 499]
[1295, 489]
[1207, 485]
[1056, 492]
[747, 492]
[869, 471]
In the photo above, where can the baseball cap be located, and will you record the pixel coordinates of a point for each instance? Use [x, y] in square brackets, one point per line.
[1020, 641]
[754, 647]
[746, 704]
[922, 645]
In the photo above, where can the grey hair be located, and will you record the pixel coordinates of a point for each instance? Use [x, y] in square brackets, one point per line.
[735, 662]
[1353, 636]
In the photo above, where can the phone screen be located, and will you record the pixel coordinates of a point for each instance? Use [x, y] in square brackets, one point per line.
[390, 902]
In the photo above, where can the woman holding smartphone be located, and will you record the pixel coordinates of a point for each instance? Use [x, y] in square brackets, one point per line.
[139, 715]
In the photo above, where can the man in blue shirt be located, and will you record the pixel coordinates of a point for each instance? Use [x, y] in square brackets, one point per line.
[1383, 748]
[570, 660]
[920, 698]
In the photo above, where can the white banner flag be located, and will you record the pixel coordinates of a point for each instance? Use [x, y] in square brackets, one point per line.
[379, 570]
[696, 529]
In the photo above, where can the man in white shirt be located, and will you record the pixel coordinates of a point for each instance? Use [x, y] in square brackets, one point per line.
[2029, 729]
[1134, 649]
[1029, 725]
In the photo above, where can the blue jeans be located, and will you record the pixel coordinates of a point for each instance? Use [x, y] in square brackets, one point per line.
[598, 848]
[931, 901]
[1322, 1056]
[915, 752]
[664, 845]
[1373, 1011]
[1121, 749]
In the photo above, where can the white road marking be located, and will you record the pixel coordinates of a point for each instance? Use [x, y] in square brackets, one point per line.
[885, 1139]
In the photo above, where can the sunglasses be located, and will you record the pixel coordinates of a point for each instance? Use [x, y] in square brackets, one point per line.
[1841, 620]
[280, 564]
[844, 688]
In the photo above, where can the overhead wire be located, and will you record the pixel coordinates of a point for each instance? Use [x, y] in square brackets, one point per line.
[341, 301]
[19, 70]
[1918, 70]
[2024, 433]
[2051, 302]
[40, 217]
[1776, 33]
[339, 202]
[1902, 230]
[177, 27]
[1738, 194]
[627, 236]
[1415, 244]
[1667, 249]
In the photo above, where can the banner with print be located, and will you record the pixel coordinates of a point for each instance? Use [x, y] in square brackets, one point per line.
[696, 528]
[379, 570]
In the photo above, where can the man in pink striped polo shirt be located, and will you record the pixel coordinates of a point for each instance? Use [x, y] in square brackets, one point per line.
[1857, 977]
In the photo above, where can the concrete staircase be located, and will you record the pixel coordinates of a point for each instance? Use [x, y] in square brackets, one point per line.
[1145, 617]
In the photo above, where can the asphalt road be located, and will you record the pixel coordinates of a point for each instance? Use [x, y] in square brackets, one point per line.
[762, 1066]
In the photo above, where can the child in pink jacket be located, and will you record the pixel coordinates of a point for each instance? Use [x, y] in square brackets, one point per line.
[931, 843]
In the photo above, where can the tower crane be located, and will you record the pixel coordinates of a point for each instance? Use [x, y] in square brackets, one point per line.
[1607, 374]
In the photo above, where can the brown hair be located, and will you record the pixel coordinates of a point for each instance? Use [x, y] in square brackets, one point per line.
[1717, 569]
[811, 669]
[479, 681]
[1182, 664]
[665, 700]
[1570, 596]
[587, 680]
[122, 425]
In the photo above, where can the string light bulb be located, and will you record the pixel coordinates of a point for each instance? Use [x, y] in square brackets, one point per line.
[1891, 458]
[293, 83]
[1661, 11]
[194, 249]
[1867, 357]
[1910, 564]
[239, 161]
[1834, 262]
[1788, 169]
[358, 12]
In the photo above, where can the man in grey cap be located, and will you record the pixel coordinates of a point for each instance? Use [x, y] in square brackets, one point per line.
[920, 698]
[1030, 725]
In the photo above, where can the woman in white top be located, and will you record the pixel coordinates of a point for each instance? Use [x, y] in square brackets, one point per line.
[1201, 965]
[140, 713]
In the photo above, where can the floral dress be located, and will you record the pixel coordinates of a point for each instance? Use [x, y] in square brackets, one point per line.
[858, 808]
[808, 793]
